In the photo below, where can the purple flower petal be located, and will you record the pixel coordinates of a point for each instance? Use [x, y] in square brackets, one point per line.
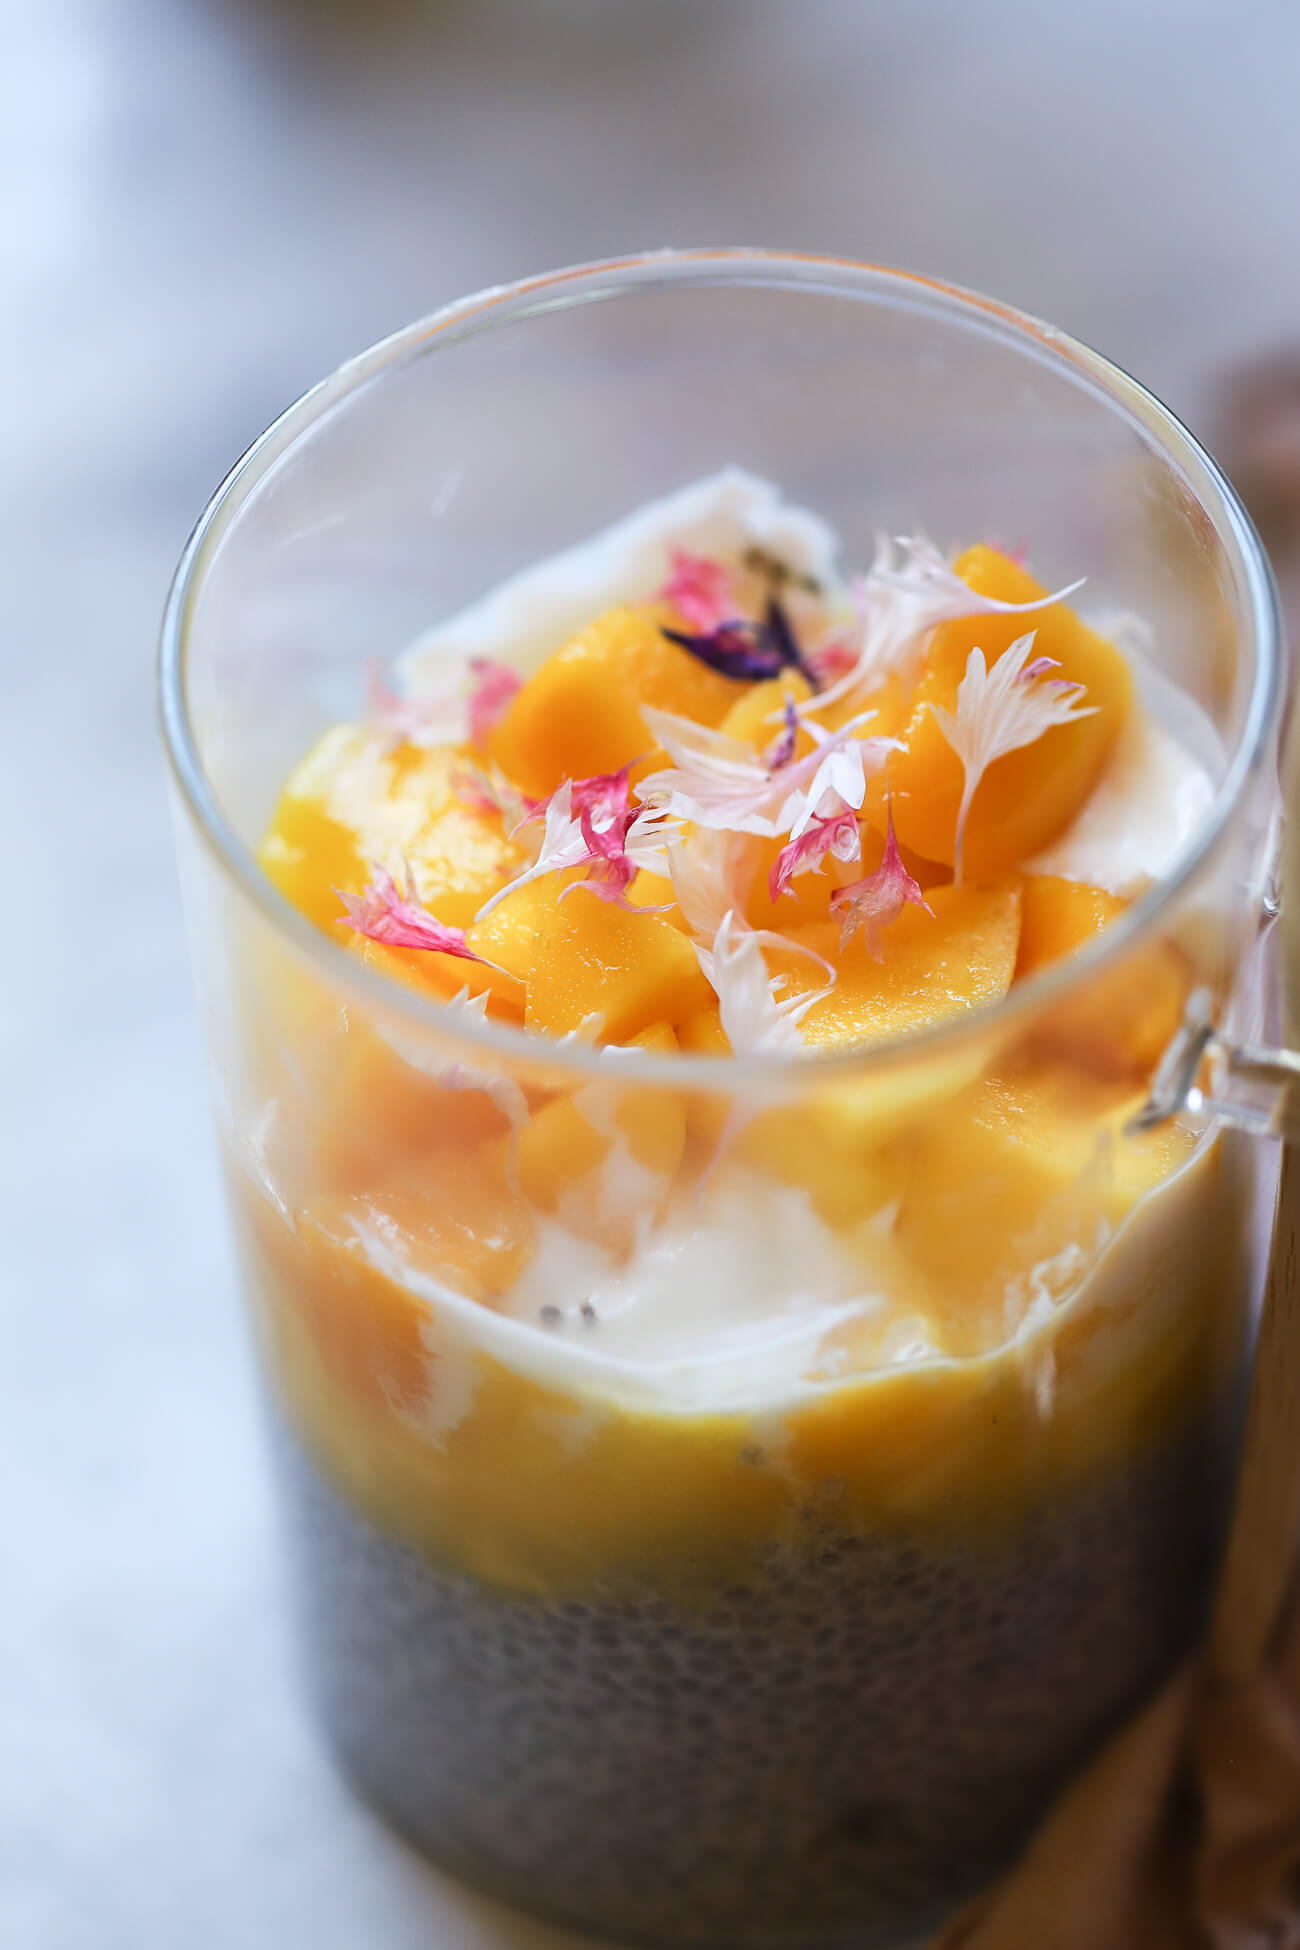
[737, 649]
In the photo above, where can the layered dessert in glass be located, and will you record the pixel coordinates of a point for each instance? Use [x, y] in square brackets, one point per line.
[754, 1386]
[717, 1520]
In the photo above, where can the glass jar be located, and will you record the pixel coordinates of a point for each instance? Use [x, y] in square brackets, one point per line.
[786, 1638]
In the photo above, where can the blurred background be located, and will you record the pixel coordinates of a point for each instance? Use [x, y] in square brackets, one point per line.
[204, 205]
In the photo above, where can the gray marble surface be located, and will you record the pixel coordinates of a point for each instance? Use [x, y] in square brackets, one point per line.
[203, 207]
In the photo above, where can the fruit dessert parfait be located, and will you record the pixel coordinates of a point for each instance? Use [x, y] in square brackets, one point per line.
[755, 1404]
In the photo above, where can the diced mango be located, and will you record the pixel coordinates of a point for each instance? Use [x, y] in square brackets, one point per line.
[1026, 798]
[1028, 1167]
[656, 890]
[350, 804]
[381, 1109]
[506, 939]
[841, 1161]
[571, 1138]
[847, 1183]
[1120, 1022]
[581, 712]
[308, 855]
[935, 966]
[443, 976]
[1058, 916]
[593, 958]
[454, 1220]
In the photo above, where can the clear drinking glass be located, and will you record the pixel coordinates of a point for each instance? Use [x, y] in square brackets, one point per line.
[685, 1653]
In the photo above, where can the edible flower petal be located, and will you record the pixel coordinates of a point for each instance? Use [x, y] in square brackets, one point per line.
[752, 1017]
[384, 913]
[492, 685]
[778, 633]
[998, 711]
[603, 796]
[710, 874]
[872, 903]
[735, 649]
[901, 599]
[839, 777]
[589, 822]
[699, 589]
[617, 852]
[562, 845]
[744, 650]
[710, 881]
[835, 833]
[716, 780]
[782, 748]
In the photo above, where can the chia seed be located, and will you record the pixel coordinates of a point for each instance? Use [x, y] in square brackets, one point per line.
[772, 1784]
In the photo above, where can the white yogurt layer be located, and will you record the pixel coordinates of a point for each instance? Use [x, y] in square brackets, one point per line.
[755, 1301]
[761, 1308]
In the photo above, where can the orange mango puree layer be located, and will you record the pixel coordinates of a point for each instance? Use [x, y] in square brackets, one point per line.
[1075, 1286]
[533, 1483]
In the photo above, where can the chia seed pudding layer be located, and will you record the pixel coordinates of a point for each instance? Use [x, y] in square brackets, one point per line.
[849, 1741]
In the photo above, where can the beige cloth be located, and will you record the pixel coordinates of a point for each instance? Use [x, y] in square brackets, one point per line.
[1184, 1833]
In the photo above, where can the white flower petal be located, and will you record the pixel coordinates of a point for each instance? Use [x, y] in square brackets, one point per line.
[900, 600]
[752, 1018]
[999, 711]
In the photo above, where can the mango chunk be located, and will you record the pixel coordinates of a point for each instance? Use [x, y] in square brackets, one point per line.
[581, 712]
[656, 890]
[935, 966]
[444, 976]
[1058, 916]
[562, 1152]
[307, 854]
[592, 958]
[816, 1143]
[1120, 1022]
[454, 1220]
[381, 1110]
[1029, 1169]
[798, 1145]
[350, 804]
[1026, 798]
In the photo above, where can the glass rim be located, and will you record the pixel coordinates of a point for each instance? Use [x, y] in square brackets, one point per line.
[736, 265]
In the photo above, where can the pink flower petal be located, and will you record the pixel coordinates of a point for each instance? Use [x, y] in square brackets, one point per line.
[835, 833]
[384, 913]
[872, 903]
[492, 687]
[603, 796]
[1039, 667]
[613, 888]
[592, 823]
[699, 589]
